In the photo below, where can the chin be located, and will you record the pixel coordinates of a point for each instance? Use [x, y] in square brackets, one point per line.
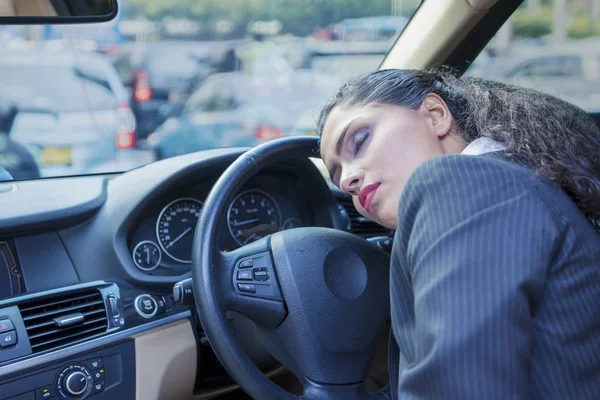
[389, 221]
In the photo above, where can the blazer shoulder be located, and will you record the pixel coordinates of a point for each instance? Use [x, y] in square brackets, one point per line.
[457, 168]
[452, 188]
[474, 181]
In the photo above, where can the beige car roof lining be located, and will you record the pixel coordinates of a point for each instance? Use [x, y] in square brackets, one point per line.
[435, 30]
[26, 8]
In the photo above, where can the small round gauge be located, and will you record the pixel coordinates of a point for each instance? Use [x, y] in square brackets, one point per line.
[253, 215]
[146, 255]
[175, 228]
[291, 223]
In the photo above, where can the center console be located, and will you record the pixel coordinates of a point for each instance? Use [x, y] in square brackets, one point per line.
[89, 341]
[79, 378]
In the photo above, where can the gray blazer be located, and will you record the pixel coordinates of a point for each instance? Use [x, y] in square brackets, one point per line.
[495, 285]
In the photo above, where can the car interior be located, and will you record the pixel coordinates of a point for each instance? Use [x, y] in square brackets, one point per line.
[147, 284]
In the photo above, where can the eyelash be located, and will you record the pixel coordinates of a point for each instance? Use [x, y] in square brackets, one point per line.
[361, 141]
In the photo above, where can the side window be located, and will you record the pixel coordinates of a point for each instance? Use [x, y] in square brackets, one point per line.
[550, 46]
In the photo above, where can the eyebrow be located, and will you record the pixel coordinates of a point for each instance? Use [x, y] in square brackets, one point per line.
[339, 144]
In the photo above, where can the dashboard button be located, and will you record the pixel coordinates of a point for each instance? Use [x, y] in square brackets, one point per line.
[95, 363]
[247, 264]
[6, 325]
[146, 306]
[245, 287]
[97, 387]
[44, 393]
[245, 275]
[8, 339]
[98, 375]
[162, 305]
[114, 307]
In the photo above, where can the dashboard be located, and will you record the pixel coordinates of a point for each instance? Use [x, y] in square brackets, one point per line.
[161, 243]
[88, 264]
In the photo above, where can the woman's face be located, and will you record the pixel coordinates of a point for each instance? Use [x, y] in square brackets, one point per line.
[371, 151]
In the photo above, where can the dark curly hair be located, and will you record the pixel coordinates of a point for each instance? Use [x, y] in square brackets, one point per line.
[552, 137]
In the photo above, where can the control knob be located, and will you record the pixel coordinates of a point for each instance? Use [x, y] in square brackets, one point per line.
[76, 383]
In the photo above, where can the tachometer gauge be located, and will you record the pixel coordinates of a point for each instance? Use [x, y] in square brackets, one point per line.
[253, 215]
[146, 255]
[175, 228]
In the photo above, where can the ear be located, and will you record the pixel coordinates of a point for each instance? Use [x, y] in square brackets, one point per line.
[437, 114]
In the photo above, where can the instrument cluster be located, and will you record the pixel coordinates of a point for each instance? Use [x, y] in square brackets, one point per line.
[162, 242]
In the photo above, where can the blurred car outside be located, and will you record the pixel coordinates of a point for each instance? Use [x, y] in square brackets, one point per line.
[168, 72]
[74, 120]
[383, 27]
[16, 162]
[245, 109]
[345, 60]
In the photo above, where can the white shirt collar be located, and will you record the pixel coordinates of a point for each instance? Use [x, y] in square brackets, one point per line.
[483, 145]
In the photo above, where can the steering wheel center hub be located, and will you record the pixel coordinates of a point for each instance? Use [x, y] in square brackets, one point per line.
[345, 274]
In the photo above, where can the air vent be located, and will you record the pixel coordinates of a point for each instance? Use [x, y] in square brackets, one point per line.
[64, 319]
[360, 225]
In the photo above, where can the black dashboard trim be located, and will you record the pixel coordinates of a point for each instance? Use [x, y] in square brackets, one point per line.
[51, 203]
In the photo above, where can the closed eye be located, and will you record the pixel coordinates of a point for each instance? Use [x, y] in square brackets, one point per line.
[364, 135]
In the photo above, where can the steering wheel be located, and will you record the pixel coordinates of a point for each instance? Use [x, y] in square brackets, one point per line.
[319, 297]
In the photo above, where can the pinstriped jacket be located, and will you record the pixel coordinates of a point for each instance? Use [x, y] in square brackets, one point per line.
[495, 285]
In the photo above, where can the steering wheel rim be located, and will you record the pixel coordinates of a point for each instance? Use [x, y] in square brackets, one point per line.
[216, 289]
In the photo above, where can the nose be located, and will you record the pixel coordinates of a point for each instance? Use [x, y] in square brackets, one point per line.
[351, 181]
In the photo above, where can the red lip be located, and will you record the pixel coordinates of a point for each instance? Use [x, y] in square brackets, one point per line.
[365, 197]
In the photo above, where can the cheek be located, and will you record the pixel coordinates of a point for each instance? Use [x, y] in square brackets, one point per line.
[410, 141]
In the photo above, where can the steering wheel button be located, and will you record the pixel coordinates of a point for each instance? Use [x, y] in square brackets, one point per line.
[261, 274]
[247, 288]
[244, 275]
[247, 264]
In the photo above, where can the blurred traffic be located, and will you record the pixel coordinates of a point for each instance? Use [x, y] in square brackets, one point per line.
[154, 84]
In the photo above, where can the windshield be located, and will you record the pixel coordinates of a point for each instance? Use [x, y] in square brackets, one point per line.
[179, 76]
[65, 89]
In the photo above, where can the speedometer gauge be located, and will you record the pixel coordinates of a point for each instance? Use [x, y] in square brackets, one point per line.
[175, 228]
[253, 215]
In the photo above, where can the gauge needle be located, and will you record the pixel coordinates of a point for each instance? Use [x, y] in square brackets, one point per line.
[179, 237]
[248, 221]
[147, 255]
[250, 238]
